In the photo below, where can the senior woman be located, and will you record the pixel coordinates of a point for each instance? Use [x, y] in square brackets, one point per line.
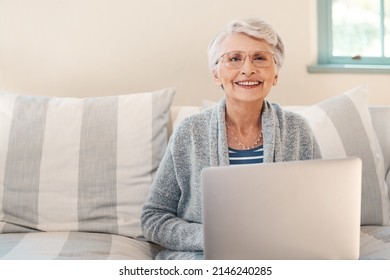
[242, 128]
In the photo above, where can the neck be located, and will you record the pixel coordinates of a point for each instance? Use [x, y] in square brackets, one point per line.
[243, 124]
[244, 115]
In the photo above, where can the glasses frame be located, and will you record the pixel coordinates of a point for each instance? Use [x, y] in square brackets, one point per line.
[250, 54]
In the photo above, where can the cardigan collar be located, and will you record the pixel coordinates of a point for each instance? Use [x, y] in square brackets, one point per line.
[218, 140]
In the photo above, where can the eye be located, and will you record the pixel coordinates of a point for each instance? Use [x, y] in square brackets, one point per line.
[235, 57]
[260, 57]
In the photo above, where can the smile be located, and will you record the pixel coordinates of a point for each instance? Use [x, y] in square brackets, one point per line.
[248, 83]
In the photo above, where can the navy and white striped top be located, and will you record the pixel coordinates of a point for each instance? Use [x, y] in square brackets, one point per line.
[255, 155]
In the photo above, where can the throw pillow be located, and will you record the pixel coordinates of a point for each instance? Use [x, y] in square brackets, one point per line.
[71, 164]
[343, 128]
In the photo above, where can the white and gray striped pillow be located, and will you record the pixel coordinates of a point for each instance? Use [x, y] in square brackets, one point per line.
[343, 128]
[70, 164]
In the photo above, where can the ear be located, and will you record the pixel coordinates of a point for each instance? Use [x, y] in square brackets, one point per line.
[275, 82]
[216, 78]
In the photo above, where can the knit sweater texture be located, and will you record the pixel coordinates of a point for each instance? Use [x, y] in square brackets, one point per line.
[172, 214]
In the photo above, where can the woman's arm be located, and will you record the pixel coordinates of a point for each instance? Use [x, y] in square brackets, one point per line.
[159, 219]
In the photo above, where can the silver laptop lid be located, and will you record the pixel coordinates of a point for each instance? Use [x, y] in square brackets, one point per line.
[286, 210]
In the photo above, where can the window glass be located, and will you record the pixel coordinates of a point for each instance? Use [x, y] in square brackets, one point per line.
[387, 28]
[356, 28]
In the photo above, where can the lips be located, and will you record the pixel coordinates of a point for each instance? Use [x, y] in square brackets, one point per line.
[248, 83]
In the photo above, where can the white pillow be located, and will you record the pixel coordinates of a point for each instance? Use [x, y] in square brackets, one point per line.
[343, 128]
[70, 164]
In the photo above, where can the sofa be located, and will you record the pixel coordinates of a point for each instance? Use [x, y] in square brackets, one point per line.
[74, 172]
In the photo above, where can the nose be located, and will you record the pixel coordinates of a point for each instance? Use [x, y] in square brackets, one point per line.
[248, 68]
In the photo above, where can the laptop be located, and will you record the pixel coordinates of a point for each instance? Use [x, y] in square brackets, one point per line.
[301, 210]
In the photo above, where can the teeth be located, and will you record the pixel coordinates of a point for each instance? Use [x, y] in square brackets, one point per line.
[248, 83]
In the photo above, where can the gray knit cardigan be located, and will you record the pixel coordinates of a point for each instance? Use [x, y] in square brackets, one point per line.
[172, 214]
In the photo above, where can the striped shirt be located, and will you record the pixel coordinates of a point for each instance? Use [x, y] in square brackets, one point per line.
[255, 155]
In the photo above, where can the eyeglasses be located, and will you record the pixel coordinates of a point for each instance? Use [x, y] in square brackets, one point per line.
[236, 59]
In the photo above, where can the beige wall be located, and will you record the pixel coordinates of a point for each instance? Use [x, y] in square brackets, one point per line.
[104, 47]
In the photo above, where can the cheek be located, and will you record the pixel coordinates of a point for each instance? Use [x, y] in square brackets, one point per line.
[228, 77]
[219, 79]
[271, 77]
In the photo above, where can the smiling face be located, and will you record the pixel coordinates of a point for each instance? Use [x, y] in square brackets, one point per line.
[248, 82]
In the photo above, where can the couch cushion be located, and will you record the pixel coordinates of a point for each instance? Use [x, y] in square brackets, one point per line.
[343, 128]
[69, 164]
[375, 243]
[380, 119]
[74, 246]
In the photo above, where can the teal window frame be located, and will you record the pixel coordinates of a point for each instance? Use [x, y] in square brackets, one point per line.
[329, 63]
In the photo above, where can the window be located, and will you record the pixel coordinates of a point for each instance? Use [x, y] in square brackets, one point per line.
[353, 35]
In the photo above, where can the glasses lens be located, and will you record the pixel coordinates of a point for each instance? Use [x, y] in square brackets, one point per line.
[236, 59]
[262, 59]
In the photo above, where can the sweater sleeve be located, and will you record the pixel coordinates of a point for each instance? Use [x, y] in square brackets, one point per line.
[310, 143]
[159, 220]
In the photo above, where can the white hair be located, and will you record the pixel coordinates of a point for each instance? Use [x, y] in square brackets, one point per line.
[254, 28]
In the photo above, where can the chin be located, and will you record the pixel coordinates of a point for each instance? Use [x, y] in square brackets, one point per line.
[249, 99]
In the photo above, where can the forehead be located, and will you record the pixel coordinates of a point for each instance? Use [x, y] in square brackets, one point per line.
[242, 42]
